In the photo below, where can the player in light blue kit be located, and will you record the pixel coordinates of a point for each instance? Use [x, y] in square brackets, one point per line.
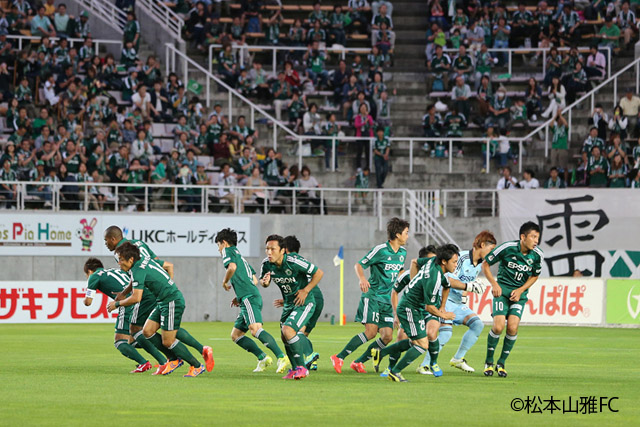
[463, 279]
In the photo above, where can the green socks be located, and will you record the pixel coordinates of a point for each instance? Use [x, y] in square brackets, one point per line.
[149, 347]
[251, 346]
[127, 350]
[156, 340]
[412, 354]
[509, 342]
[297, 351]
[394, 351]
[306, 344]
[186, 338]
[183, 353]
[492, 343]
[434, 349]
[367, 354]
[355, 342]
[267, 339]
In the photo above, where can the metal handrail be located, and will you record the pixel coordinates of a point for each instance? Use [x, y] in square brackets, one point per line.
[274, 49]
[164, 16]
[96, 42]
[544, 50]
[111, 15]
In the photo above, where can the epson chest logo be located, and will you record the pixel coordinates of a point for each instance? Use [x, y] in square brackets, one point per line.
[519, 267]
[284, 280]
[394, 267]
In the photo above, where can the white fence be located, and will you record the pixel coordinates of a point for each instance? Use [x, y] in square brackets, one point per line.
[73, 42]
[111, 15]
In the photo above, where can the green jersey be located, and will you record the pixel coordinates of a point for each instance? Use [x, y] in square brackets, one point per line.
[425, 288]
[290, 276]
[385, 266]
[402, 282]
[110, 282]
[515, 267]
[145, 250]
[242, 279]
[316, 292]
[147, 274]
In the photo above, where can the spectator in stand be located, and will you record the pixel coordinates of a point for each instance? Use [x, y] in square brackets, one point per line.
[381, 151]
[599, 119]
[259, 83]
[358, 11]
[499, 110]
[618, 123]
[364, 128]
[630, 104]
[81, 26]
[227, 181]
[554, 66]
[257, 196]
[596, 67]
[308, 196]
[554, 180]
[311, 122]
[142, 100]
[617, 148]
[378, 19]
[597, 169]
[227, 66]
[8, 192]
[435, 37]
[383, 110]
[560, 144]
[626, 21]
[501, 33]
[557, 94]
[437, 14]
[316, 71]
[529, 181]
[484, 95]
[569, 22]
[281, 92]
[523, 25]
[609, 35]
[507, 182]
[591, 141]
[460, 95]
[247, 164]
[455, 122]
[634, 177]
[439, 66]
[41, 25]
[533, 99]
[431, 122]
[131, 31]
[340, 78]
[462, 66]
[474, 36]
[337, 22]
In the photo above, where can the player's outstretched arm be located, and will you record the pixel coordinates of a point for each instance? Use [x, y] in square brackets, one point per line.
[126, 291]
[168, 266]
[446, 315]
[134, 298]
[495, 288]
[516, 293]
[231, 270]
[301, 295]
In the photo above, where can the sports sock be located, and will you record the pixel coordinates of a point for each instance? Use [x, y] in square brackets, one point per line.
[470, 337]
[251, 346]
[296, 351]
[156, 340]
[509, 342]
[149, 347]
[267, 339]
[367, 354]
[127, 350]
[444, 335]
[355, 342]
[306, 344]
[394, 351]
[186, 338]
[434, 349]
[287, 348]
[183, 353]
[492, 343]
[412, 354]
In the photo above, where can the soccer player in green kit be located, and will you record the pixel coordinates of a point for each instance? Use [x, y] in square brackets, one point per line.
[110, 282]
[289, 273]
[113, 238]
[419, 312]
[292, 247]
[148, 276]
[241, 277]
[520, 264]
[375, 311]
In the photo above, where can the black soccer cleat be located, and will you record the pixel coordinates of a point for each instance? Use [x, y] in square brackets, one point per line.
[501, 371]
[488, 369]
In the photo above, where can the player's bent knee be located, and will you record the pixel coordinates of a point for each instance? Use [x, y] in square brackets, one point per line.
[288, 332]
[475, 324]
[167, 342]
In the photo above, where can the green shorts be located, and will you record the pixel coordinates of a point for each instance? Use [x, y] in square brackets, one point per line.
[168, 314]
[296, 317]
[250, 312]
[413, 322]
[375, 312]
[122, 322]
[429, 317]
[503, 306]
[142, 310]
[316, 312]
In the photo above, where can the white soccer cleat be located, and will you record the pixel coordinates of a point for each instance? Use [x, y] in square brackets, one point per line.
[462, 365]
[283, 364]
[262, 364]
[424, 370]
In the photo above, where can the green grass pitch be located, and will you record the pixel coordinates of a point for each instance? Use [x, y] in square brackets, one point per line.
[72, 375]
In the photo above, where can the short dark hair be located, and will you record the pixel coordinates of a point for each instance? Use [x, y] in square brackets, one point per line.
[527, 227]
[446, 252]
[530, 172]
[113, 231]
[292, 244]
[276, 238]
[92, 264]
[128, 250]
[422, 253]
[396, 226]
[227, 235]
[553, 168]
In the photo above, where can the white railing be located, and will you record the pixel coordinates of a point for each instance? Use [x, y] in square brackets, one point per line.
[590, 95]
[423, 210]
[111, 15]
[167, 18]
[484, 202]
[524, 50]
[22, 40]
[243, 49]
